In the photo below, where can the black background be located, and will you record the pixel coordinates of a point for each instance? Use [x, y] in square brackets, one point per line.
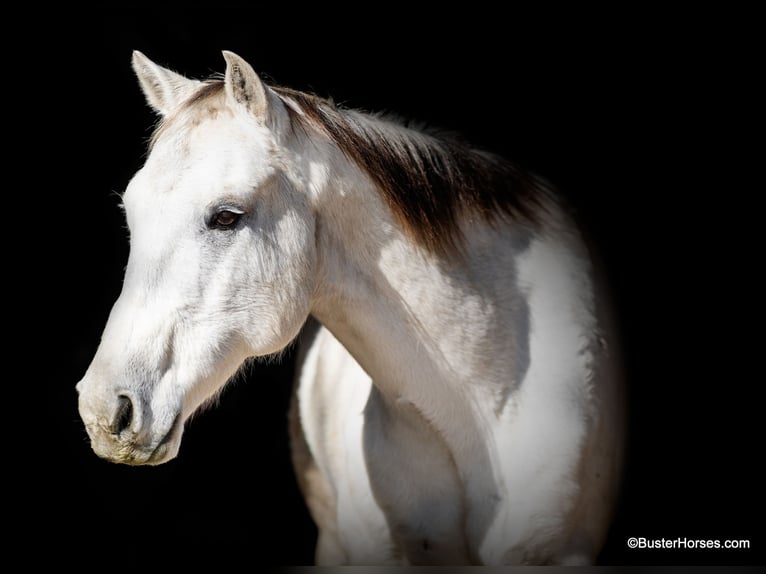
[638, 118]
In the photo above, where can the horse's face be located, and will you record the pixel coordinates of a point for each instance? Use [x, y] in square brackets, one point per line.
[220, 268]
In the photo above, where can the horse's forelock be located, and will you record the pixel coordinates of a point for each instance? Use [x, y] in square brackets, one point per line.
[207, 101]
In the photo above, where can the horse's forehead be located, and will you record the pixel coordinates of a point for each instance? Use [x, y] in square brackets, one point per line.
[220, 147]
[206, 134]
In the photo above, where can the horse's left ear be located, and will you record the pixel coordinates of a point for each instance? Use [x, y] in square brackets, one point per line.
[244, 86]
[163, 88]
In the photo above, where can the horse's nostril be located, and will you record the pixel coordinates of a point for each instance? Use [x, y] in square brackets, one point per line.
[123, 416]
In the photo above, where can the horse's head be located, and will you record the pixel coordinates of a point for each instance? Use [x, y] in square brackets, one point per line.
[221, 263]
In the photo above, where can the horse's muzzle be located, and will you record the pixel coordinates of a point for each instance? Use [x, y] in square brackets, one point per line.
[122, 430]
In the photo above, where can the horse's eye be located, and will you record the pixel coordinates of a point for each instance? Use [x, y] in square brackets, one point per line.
[226, 218]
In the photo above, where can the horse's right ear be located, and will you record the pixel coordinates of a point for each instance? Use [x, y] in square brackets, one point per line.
[163, 88]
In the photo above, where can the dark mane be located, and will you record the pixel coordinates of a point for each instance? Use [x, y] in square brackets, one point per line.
[427, 180]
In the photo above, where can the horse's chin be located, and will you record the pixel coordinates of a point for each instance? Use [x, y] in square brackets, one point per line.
[165, 452]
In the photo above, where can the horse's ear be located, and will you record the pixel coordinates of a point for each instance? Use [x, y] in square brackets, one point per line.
[244, 86]
[163, 88]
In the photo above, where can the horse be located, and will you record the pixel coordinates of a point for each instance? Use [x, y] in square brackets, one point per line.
[458, 398]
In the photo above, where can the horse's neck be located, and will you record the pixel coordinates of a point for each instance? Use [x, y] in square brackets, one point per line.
[409, 315]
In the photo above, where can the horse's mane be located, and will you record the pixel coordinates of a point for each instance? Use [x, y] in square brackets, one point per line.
[428, 179]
